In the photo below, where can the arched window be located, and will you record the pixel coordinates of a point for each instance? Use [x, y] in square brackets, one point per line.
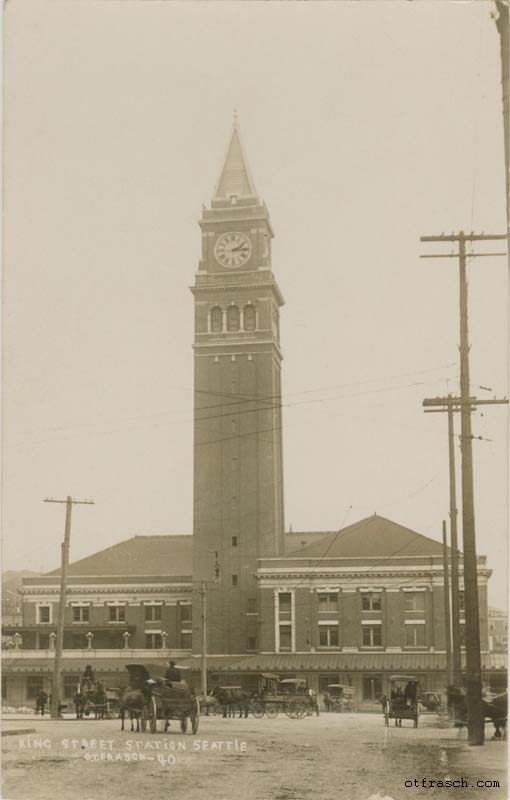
[216, 320]
[249, 318]
[233, 318]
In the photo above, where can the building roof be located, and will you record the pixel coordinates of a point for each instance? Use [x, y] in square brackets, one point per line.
[235, 178]
[374, 536]
[140, 555]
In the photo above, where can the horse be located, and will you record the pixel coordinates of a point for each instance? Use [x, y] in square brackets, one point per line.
[100, 703]
[134, 701]
[232, 700]
[496, 711]
[79, 704]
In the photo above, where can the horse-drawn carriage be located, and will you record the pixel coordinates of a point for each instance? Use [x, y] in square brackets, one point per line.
[339, 697]
[403, 700]
[153, 697]
[290, 695]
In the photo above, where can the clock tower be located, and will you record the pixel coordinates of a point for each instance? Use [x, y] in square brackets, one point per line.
[238, 473]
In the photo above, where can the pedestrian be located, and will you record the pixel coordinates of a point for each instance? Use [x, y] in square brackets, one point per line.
[172, 674]
[40, 702]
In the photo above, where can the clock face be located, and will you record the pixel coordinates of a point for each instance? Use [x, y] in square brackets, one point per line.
[232, 249]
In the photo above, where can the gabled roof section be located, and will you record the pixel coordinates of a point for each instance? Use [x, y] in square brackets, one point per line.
[140, 555]
[375, 537]
[235, 178]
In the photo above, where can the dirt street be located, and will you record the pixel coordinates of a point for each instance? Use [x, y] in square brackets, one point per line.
[332, 757]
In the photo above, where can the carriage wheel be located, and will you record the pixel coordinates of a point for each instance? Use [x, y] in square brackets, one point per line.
[153, 715]
[272, 710]
[257, 709]
[295, 710]
[184, 724]
[195, 717]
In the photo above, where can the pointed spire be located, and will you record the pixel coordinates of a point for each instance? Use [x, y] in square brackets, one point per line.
[235, 179]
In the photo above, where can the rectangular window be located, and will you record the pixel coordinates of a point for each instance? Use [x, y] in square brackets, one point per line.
[415, 635]
[252, 643]
[153, 613]
[328, 635]
[328, 601]
[43, 614]
[4, 687]
[234, 580]
[34, 686]
[186, 612]
[285, 638]
[372, 636]
[251, 605]
[81, 613]
[371, 601]
[185, 640]
[44, 641]
[116, 613]
[234, 541]
[153, 641]
[372, 687]
[462, 606]
[462, 634]
[284, 603]
[414, 601]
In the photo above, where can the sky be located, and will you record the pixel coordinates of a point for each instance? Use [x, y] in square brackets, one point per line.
[366, 125]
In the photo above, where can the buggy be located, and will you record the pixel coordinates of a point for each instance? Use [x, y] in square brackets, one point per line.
[290, 695]
[339, 697]
[166, 700]
[403, 701]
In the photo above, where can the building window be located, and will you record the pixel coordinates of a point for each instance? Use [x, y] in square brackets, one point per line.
[186, 612]
[372, 687]
[81, 613]
[371, 601]
[153, 613]
[252, 643]
[216, 320]
[328, 601]
[70, 686]
[285, 638]
[153, 641]
[462, 606]
[415, 635]
[44, 641]
[462, 634]
[185, 640]
[251, 605]
[34, 686]
[372, 636]
[43, 614]
[116, 613]
[4, 687]
[234, 580]
[234, 541]
[249, 318]
[414, 601]
[328, 635]
[233, 319]
[285, 603]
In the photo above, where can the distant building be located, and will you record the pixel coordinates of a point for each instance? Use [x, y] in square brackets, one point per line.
[498, 630]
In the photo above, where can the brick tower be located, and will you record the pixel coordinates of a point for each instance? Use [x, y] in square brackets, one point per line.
[238, 474]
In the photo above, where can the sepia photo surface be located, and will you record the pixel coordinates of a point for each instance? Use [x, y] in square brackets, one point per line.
[255, 415]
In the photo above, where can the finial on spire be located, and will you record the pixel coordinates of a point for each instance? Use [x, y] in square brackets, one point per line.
[236, 118]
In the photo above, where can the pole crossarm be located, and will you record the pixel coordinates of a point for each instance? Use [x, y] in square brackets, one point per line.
[457, 402]
[468, 237]
[74, 502]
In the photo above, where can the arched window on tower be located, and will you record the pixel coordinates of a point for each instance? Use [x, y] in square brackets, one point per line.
[249, 317]
[216, 320]
[233, 320]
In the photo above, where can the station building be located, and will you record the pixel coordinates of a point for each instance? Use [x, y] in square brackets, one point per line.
[351, 606]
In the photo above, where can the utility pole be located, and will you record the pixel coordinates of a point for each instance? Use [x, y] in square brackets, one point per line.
[476, 726]
[59, 643]
[448, 627]
[203, 659]
[503, 26]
